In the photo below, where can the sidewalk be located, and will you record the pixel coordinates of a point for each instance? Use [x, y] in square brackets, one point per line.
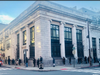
[56, 68]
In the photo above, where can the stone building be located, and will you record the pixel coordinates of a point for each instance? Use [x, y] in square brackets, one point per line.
[50, 30]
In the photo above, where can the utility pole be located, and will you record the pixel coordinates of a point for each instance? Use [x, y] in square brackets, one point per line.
[90, 58]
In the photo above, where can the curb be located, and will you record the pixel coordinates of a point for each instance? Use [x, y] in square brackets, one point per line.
[88, 67]
[41, 70]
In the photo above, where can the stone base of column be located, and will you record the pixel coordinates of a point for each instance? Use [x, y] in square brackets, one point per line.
[48, 62]
[30, 62]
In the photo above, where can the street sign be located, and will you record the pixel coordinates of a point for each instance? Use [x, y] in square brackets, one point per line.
[73, 52]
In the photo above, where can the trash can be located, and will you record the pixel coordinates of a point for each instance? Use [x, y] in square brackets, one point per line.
[40, 65]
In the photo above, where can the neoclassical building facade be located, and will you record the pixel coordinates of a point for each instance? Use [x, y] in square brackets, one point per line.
[50, 30]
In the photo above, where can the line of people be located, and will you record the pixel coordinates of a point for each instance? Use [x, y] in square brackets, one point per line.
[13, 62]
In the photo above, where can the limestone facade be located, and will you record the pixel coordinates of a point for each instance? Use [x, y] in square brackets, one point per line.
[41, 15]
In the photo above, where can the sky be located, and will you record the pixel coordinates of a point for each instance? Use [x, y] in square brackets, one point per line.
[9, 10]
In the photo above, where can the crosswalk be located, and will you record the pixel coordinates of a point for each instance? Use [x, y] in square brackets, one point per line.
[85, 70]
[6, 69]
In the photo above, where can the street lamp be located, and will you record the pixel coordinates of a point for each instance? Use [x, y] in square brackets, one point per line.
[90, 60]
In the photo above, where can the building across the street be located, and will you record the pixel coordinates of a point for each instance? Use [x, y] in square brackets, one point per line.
[52, 31]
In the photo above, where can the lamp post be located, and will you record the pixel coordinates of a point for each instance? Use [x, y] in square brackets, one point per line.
[90, 59]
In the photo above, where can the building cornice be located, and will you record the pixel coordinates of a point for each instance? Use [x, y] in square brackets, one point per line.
[49, 7]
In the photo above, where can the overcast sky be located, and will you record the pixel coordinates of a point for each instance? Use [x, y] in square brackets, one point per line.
[9, 10]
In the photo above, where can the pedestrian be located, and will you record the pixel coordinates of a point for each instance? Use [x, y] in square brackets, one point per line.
[38, 62]
[41, 59]
[63, 60]
[34, 61]
[19, 61]
[13, 61]
[85, 59]
[26, 62]
[88, 59]
[9, 61]
[70, 60]
[94, 59]
[53, 62]
[16, 62]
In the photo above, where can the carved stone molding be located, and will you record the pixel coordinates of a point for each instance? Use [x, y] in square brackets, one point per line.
[62, 23]
[50, 21]
[84, 27]
[74, 25]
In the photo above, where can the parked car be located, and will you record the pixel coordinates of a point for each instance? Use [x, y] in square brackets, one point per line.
[1, 63]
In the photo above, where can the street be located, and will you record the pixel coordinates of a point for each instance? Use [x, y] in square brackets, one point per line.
[87, 71]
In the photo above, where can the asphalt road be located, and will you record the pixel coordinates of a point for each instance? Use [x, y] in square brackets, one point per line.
[88, 71]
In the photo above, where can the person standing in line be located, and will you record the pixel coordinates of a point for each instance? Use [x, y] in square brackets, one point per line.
[19, 61]
[38, 62]
[6, 60]
[63, 60]
[34, 61]
[70, 60]
[85, 59]
[41, 59]
[88, 59]
[9, 61]
[26, 62]
[16, 62]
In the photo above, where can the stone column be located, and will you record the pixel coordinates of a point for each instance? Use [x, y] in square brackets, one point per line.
[14, 45]
[20, 43]
[43, 40]
[74, 41]
[27, 40]
[97, 47]
[84, 38]
[62, 42]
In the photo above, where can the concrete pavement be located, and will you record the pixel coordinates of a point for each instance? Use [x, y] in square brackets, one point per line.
[56, 68]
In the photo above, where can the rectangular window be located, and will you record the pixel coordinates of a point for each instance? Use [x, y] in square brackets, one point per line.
[68, 41]
[79, 35]
[99, 43]
[80, 46]
[32, 35]
[54, 32]
[7, 44]
[24, 37]
[17, 46]
[32, 42]
[17, 39]
[68, 34]
[55, 44]
[94, 49]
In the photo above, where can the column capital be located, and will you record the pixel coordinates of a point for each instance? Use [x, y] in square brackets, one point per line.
[20, 29]
[50, 20]
[62, 23]
[26, 26]
[84, 27]
[74, 25]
